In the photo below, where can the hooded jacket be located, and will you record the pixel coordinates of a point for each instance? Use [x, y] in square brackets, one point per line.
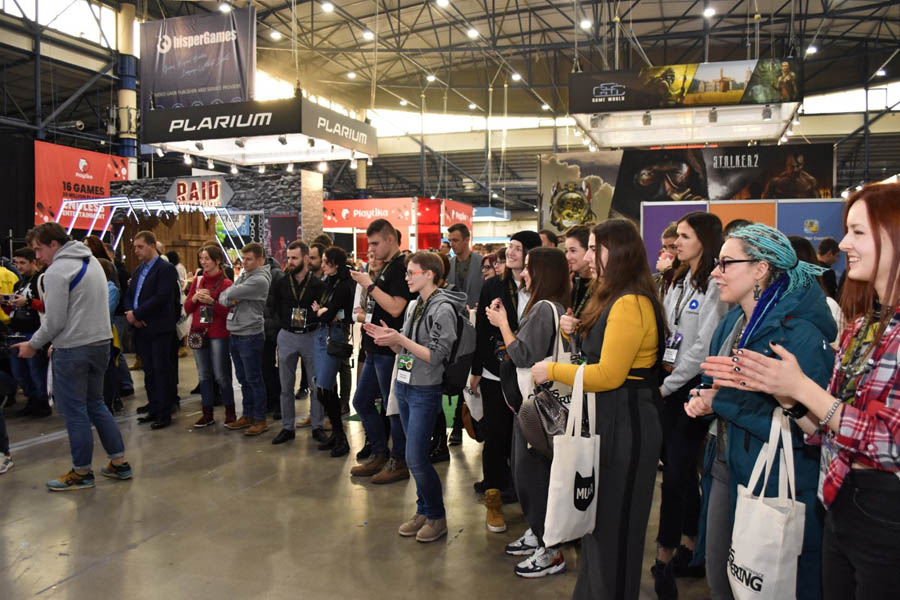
[247, 299]
[78, 316]
[802, 323]
[436, 330]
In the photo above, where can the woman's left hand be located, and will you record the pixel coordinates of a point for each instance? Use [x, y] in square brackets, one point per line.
[382, 334]
[752, 371]
[539, 372]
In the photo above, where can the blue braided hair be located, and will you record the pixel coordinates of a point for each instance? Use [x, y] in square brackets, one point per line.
[789, 273]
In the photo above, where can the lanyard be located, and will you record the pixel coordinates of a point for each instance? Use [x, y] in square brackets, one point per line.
[329, 292]
[387, 266]
[420, 308]
[302, 289]
[462, 273]
[584, 298]
[513, 293]
[678, 308]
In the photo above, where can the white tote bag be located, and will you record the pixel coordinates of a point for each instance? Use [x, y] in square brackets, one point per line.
[768, 532]
[560, 354]
[572, 497]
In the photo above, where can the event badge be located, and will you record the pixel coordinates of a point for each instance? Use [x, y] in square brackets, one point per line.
[672, 346]
[404, 367]
[206, 315]
[231, 314]
[370, 308]
[298, 318]
[829, 452]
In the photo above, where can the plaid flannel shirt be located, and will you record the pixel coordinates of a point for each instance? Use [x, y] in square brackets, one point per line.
[869, 432]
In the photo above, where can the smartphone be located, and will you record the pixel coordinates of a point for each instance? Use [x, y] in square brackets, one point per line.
[6, 298]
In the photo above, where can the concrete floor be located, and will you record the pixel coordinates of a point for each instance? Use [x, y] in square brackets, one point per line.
[212, 514]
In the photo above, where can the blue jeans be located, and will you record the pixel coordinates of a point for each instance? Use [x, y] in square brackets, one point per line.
[327, 366]
[246, 352]
[376, 375]
[31, 373]
[419, 406]
[213, 367]
[78, 390]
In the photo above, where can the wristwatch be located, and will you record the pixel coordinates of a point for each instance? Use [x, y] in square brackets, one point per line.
[370, 288]
[797, 411]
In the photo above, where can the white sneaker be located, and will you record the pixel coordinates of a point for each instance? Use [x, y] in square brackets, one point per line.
[6, 463]
[542, 562]
[524, 546]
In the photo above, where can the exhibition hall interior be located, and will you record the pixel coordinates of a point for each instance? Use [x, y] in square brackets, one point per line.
[595, 299]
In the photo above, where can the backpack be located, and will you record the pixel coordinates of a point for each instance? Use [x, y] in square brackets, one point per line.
[459, 362]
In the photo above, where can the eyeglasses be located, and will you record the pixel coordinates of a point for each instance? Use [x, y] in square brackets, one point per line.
[411, 273]
[487, 267]
[719, 263]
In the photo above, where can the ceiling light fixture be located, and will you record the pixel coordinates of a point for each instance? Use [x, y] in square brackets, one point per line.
[368, 35]
[472, 106]
[369, 161]
[430, 77]
[289, 168]
[784, 139]
[586, 24]
[709, 12]
[811, 49]
[472, 33]
[328, 7]
[160, 152]
[789, 132]
[494, 195]
[545, 106]
[234, 169]
[210, 164]
[880, 73]
[351, 75]
[262, 169]
[188, 160]
[224, 7]
[443, 3]
[796, 121]
[516, 77]
[403, 103]
[275, 34]
[354, 165]
[323, 166]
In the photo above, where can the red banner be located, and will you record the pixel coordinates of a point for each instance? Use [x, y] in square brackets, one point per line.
[457, 212]
[64, 173]
[360, 213]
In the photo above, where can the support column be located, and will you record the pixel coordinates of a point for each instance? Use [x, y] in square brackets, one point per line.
[126, 69]
[361, 164]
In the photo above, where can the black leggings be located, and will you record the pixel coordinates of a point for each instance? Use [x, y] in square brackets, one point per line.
[498, 428]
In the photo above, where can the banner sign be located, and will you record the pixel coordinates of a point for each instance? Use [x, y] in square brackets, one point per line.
[763, 81]
[198, 60]
[218, 121]
[326, 124]
[815, 220]
[210, 192]
[64, 173]
[457, 212]
[360, 213]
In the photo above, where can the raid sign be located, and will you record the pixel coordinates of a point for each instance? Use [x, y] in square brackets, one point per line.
[210, 192]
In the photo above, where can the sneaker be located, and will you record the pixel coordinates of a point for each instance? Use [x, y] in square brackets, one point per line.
[433, 530]
[205, 420]
[319, 435]
[113, 471]
[72, 481]
[368, 469]
[301, 394]
[259, 426]
[494, 521]
[524, 546]
[394, 470]
[664, 580]
[455, 438]
[304, 423]
[543, 562]
[412, 527]
[6, 463]
[239, 424]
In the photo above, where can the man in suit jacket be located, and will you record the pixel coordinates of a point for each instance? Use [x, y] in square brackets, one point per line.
[152, 307]
[465, 266]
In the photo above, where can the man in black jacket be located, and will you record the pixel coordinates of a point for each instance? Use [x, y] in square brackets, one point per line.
[273, 326]
[152, 306]
[31, 373]
[293, 298]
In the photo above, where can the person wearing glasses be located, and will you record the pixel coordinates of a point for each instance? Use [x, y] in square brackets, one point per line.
[692, 310]
[777, 299]
[487, 266]
[422, 347]
[855, 420]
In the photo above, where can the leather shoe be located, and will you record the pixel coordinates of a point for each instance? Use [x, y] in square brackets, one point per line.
[160, 424]
[146, 419]
[283, 436]
[319, 435]
[143, 409]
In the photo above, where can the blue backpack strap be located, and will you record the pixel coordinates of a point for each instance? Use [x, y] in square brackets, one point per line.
[74, 282]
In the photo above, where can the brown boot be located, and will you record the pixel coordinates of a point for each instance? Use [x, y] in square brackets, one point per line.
[371, 467]
[230, 417]
[494, 505]
[394, 470]
[207, 419]
[259, 426]
[239, 424]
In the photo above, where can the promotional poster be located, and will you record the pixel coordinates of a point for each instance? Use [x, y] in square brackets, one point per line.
[198, 60]
[762, 81]
[282, 231]
[64, 173]
[576, 188]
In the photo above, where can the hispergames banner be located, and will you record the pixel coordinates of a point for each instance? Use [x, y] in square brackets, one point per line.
[198, 60]
[762, 81]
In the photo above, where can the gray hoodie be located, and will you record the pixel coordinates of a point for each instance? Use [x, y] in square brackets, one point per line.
[247, 299]
[76, 317]
[436, 330]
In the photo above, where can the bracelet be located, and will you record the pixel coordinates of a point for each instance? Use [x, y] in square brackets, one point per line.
[830, 413]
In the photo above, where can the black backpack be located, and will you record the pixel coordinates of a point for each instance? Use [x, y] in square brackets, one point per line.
[459, 362]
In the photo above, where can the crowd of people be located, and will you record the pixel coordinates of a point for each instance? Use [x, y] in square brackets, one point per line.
[741, 328]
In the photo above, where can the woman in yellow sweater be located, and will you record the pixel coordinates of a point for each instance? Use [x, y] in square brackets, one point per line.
[621, 337]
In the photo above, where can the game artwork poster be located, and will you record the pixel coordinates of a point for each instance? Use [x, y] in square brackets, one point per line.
[283, 229]
[576, 187]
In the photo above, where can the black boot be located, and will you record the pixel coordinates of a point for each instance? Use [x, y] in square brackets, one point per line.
[325, 397]
[338, 441]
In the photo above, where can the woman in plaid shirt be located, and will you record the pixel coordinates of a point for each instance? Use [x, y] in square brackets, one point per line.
[857, 420]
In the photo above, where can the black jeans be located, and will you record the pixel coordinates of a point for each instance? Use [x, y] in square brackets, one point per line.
[861, 541]
[159, 379]
[498, 428]
[270, 376]
[679, 509]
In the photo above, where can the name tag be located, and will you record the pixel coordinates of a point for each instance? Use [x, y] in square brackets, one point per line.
[370, 308]
[673, 344]
[829, 452]
[404, 367]
[298, 318]
[206, 314]
[231, 315]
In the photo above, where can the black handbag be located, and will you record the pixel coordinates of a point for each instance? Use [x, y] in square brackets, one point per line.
[339, 348]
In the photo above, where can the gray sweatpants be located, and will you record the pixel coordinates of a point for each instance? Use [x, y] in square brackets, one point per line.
[291, 347]
[718, 533]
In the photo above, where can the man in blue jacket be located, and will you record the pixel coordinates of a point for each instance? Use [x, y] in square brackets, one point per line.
[152, 307]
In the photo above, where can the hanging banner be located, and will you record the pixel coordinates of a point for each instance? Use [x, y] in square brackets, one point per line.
[64, 173]
[359, 214]
[325, 124]
[764, 81]
[457, 212]
[209, 192]
[198, 60]
[218, 121]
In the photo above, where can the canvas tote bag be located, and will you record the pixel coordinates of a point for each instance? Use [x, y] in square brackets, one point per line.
[768, 532]
[572, 497]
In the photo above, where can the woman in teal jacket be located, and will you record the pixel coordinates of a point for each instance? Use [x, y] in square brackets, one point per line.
[777, 299]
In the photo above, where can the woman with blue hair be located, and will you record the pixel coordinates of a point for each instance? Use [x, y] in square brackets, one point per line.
[777, 300]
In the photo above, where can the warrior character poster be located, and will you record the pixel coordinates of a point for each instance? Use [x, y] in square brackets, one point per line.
[576, 187]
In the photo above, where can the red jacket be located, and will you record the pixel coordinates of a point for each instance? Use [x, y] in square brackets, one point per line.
[216, 285]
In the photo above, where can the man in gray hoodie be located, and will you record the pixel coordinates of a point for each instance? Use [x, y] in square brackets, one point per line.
[246, 324]
[76, 322]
